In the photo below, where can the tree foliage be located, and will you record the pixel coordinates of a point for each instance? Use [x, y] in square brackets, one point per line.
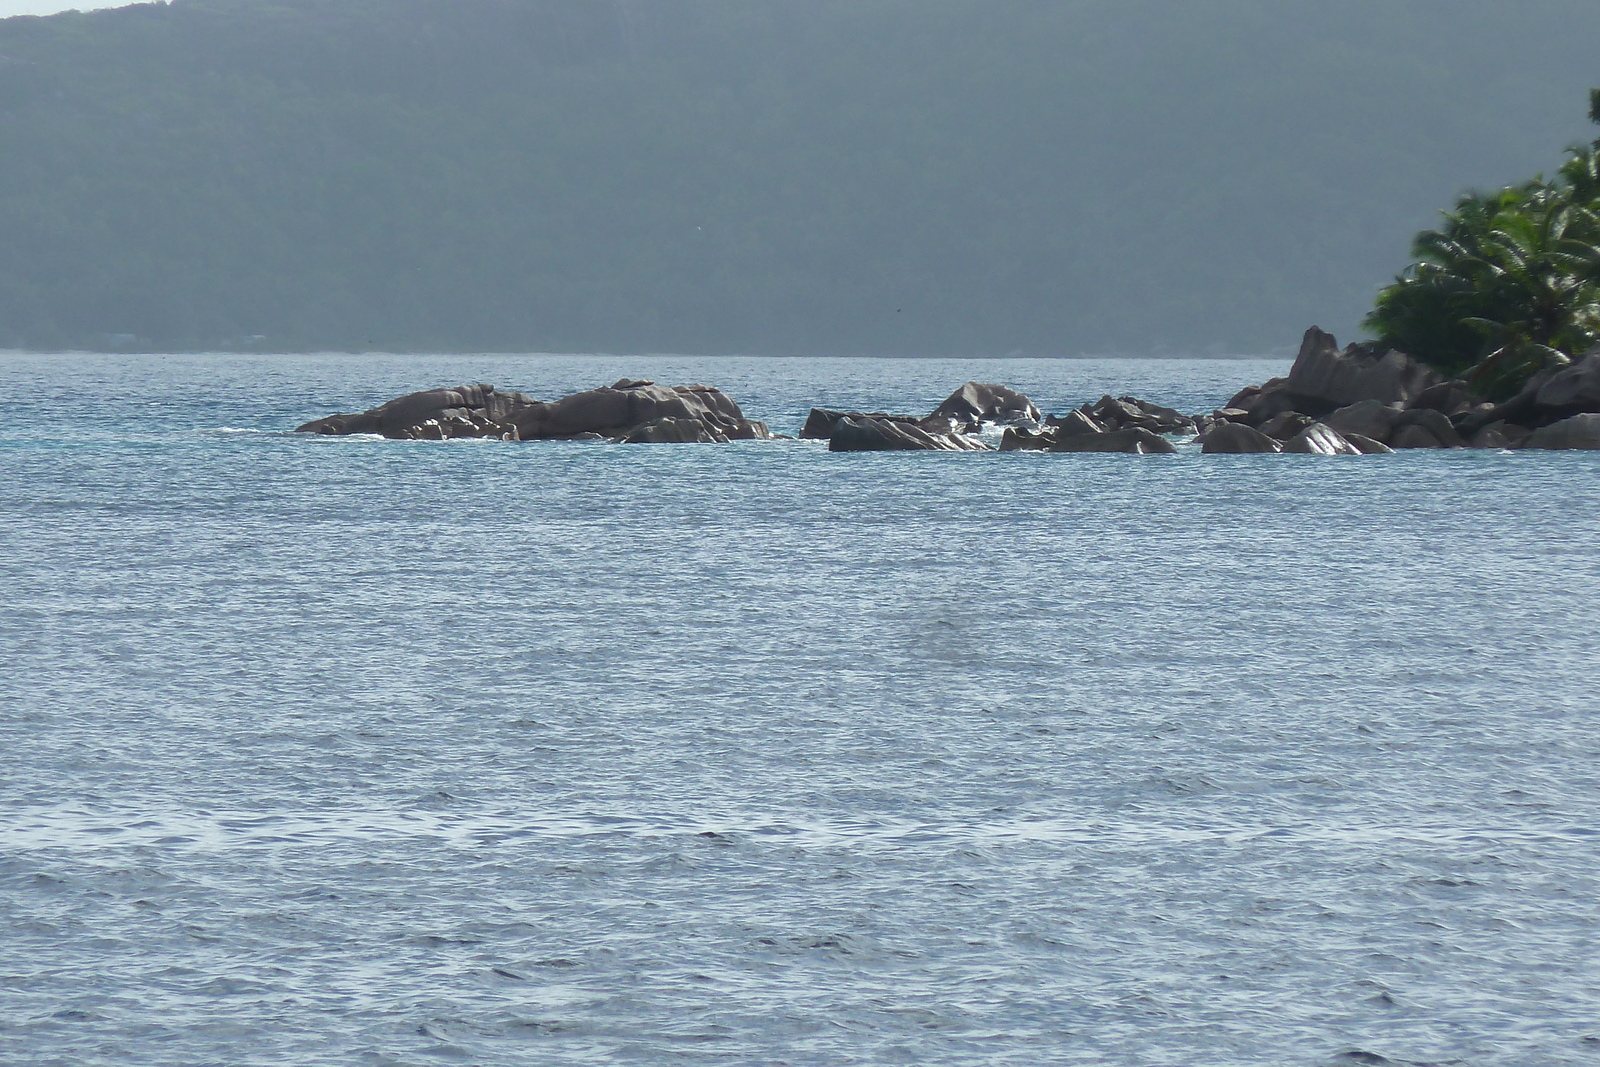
[1510, 284]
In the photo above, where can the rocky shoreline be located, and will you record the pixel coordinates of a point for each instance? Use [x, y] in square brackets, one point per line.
[1353, 401]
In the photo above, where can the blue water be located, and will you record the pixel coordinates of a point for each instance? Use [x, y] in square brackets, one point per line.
[339, 751]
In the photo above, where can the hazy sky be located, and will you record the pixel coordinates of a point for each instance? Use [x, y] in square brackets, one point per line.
[50, 7]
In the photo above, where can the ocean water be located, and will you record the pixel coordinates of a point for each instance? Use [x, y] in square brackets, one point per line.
[340, 751]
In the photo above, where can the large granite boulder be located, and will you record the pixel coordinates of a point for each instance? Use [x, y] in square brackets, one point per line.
[1369, 418]
[1073, 424]
[1573, 390]
[1286, 426]
[867, 434]
[1500, 434]
[1110, 424]
[1325, 378]
[462, 411]
[1577, 432]
[1124, 412]
[976, 403]
[821, 422]
[1319, 440]
[1135, 440]
[1022, 439]
[671, 431]
[1235, 437]
[1367, 446]
[1550, 396]
[1424, 428]
[965, 411]
[1450, 398]
[616, 411]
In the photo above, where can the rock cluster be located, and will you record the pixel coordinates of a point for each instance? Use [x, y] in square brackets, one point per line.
[1110, 424]
[1354, 401]
[631, 412]
[948, 428]
[1378, 400]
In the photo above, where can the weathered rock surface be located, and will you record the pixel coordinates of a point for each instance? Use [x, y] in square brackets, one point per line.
[1448, 398]
[1235, 437]
[1110, 424]
[976, 403]
[869, 434]
[1123, 412]
[464, 411]
[1374, 398]
[1577, 432]
[1575, 387]
[1424, 428]
[1131, 439]
[1323, 375]
[1022, 439]
[1287, 426]
[1550, 396]
[964, 412]
[820, 423]
[1319, 440]
[1072, 424]
[1500, 435]
[672, 431]
[620, 411]
[1325, 379]
[1367, 446]
[1369, 418]
[617, 410]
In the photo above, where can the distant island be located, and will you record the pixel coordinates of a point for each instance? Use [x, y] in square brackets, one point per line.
[852, 177]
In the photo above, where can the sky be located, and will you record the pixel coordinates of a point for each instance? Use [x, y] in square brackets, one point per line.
[49, 7]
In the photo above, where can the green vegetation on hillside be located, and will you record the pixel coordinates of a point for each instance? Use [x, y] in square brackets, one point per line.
[1510, 284]
[826, 176]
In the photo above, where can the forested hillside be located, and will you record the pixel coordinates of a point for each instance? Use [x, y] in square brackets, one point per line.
[762, 176]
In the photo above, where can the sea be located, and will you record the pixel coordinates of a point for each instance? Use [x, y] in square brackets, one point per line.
[351, 751]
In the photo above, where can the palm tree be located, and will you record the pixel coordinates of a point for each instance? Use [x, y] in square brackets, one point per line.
[1509, 285]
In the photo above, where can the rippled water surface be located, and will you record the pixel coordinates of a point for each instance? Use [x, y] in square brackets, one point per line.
[360, 752]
